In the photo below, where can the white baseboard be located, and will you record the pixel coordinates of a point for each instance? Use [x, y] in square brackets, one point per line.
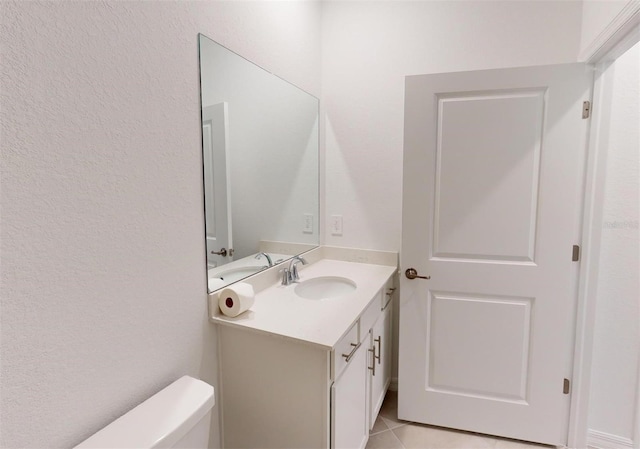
[393, 386]
[602, 440]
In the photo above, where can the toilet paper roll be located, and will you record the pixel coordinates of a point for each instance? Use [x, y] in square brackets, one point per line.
[236, 299]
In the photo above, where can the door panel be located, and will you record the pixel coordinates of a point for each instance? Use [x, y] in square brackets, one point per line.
[484, 172]
[463, 340]
[493, 171]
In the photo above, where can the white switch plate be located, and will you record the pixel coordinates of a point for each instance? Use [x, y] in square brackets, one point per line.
[307, 227]
[336, 225]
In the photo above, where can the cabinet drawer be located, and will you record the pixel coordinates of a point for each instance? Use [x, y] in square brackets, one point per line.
[371, 313]
[346, 346]
[388, 291]
[380, 302]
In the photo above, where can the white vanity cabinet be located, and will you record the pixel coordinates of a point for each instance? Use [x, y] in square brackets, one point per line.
[279, 392]
[380, 369]
[349, 399]
[377, 318]
[357, 394]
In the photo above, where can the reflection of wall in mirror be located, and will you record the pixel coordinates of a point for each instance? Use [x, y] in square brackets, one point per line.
[273, 153]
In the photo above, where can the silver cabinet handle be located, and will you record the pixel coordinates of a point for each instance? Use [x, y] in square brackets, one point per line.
[389, 294]
[379, 341]
[389, 299]
[373, 361]
[353, 351]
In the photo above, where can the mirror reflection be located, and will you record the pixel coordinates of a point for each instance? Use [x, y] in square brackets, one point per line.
[260, 156]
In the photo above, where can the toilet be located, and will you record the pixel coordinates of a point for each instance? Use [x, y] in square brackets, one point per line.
[177, 417]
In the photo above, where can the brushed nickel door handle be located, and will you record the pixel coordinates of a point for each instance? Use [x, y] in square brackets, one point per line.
[222, 252]
[412, 273]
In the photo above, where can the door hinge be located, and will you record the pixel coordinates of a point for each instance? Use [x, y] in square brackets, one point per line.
[575, 255]
[586, 109]
[566, 387]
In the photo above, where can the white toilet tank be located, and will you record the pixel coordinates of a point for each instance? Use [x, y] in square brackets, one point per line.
[177, 417]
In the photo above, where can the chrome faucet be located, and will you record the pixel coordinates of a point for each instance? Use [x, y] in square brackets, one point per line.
[290, 275]
[269, 261]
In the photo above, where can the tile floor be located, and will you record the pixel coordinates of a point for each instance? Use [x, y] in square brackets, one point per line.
[391, 433]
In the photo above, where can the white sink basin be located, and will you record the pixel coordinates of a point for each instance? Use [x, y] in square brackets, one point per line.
[235, 274]
[325, 287]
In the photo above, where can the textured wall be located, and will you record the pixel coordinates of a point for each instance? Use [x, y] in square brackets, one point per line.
[368, 49]
[103, 263]
[617, 328]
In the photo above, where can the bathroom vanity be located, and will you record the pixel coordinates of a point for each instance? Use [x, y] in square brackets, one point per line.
[308, 373]
[308, 366]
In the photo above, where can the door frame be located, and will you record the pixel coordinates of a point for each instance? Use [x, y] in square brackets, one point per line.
[621, 35]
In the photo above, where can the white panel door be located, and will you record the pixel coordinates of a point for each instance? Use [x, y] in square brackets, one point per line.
[217, 194]
[493, 172]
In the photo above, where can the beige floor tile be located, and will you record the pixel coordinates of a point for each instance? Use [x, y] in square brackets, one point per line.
[379, 426]
[389, 407]
[389, 410]
[393, 423]
[417, 436]
[503, 443]
[384, 440]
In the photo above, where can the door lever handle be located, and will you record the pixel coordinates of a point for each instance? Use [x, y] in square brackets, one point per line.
[222, 252]
[412, 273]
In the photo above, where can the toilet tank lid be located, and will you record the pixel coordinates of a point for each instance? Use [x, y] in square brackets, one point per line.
[160, 421]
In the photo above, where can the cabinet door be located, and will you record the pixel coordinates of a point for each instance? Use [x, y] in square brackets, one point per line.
[349, 404]
[387, 345]
[381, 376]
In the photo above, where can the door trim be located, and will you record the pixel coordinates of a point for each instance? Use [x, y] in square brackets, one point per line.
[627, 19]
[618, 41]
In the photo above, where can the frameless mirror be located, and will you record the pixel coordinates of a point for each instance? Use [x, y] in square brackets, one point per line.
[260, 156]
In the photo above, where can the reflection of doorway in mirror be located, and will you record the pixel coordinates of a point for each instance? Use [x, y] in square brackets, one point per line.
[217, 195]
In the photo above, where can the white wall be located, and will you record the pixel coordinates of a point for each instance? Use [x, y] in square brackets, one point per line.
[614, 382]
[103, 259]
[368, 49]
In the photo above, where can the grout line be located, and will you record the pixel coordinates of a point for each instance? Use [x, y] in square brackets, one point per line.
[391, 424]
[378, 432]
[397, 438]
[394, 436]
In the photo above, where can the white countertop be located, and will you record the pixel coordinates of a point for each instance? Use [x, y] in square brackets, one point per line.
[279, 311]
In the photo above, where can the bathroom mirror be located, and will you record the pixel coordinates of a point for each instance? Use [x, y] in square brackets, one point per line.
[260, 157]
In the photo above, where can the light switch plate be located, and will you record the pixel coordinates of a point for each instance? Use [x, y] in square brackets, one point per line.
[336, 225]
[307, 227]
